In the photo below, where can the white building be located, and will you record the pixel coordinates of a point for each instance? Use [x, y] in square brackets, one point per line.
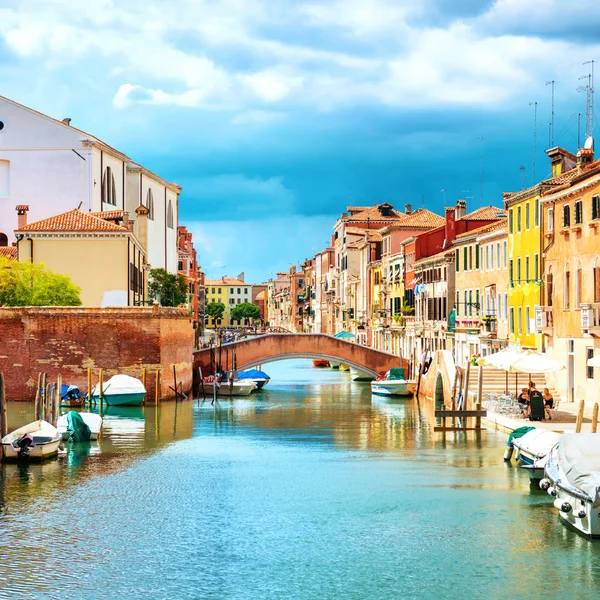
[54, 167]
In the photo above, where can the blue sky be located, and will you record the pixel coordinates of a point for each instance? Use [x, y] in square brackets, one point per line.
[274, 115]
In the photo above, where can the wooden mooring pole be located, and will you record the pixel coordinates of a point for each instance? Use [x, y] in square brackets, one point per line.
[595, 418]
[579, 421]
[3, 419]
[144, 379]
[56, 399]
[157, 387]
[38, 397]
[89, 385]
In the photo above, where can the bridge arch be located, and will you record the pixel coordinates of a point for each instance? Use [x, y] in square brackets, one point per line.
[272, 347]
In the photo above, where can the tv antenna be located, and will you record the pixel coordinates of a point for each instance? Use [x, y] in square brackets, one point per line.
[522, 169]
[480, 140]
[551, 132]
[535, 105]
[578, 115]
[589, 101]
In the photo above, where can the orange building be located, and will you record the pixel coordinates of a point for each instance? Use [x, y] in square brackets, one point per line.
[570, 318]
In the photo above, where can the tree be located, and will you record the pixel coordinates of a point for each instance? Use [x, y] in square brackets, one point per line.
[168, 289]
[215, 310]
[246, 310]
[31, 284]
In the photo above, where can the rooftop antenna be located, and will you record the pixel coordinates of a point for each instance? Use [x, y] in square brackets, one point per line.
[522, 169]
[549, 126]
[480, 140]
[589, 125]
[578, 115]
[551, 132]
[535, 105]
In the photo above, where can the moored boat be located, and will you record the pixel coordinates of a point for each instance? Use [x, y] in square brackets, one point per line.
[259, 378]
[70, 426]
[36, 441]
[122, 390]
[71, 396]
[360, 375]
[334, 365]
[391, 384]
[320, 363]
[532, 451]
[344, 367]
[233, 388]
[572, 478]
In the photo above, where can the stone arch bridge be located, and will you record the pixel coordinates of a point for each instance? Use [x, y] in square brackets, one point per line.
[251, 352]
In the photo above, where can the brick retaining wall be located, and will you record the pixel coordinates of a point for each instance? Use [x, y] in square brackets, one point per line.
[68, 340]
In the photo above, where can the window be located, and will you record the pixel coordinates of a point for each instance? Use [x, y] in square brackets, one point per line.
[477, 256]
[239, 300]
[457, 303]
[505, 305]
[239, 291]
[527, 269]
[497, 256]
[537, 212]
[510, 221]
[487, 258]
[109, 187]
[4, 179]
[511, 274]
[536, 266]
[566, 215]
[589, 370]
[567, 298]
[470, 257]
[3, 240]
[595, 207]
[505, 254]
[470, 303]
[550, 219]
[219, 290]
[465, 259]
[596, 281]
[578, 208]
[231, 300]
[466, 304]
[150, 204]
[518, 219]
[578, 286]
[477, 304]
[549, 287]
[519, 270]
[245, 290]
[520, 316]
[457, 260]
[527, 317]
[170, 215]
[180, 266]
[512, 319]
[527, 215]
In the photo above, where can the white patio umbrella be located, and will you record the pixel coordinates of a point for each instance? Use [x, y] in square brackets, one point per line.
[594, 361]
[500, 360]
[534, 362]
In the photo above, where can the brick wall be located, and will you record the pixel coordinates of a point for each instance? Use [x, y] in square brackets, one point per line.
[68, 340]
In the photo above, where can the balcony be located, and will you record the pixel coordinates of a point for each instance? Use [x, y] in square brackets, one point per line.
[590, 319]
[544, 320]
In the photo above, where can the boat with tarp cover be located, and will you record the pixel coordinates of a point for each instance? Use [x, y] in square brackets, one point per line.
[121, 390]
[572, 478]
[79, 427]
[532, 450]
[259, 378]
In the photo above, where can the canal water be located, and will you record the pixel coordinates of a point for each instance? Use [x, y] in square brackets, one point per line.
[310, 489]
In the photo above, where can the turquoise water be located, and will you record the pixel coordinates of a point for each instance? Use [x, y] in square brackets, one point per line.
[312, 489]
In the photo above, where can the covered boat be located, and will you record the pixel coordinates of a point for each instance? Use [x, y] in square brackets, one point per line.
[230, 388]
[320, 363]
[79, 427]
[122, 390]
[35, 441]
[572, 477]
[392, 383]
[260, 378]
[360, 375]
[532, 450]
[71, 396]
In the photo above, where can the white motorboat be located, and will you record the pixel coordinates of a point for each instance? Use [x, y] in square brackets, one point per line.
[572, 478]
[92, 420]
[234, 388]
[360, 375]
[334, 365]
[121, 390]
[35, 441]
[532, 451]
[392, 384]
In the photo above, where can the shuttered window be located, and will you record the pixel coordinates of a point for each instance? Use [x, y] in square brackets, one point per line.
[595, 207]
[578, 212]
[566, 215]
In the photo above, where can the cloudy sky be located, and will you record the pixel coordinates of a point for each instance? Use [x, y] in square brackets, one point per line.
[275, 114]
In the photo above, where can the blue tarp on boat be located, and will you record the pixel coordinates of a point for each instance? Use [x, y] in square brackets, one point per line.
[70, 391]
[253, 374]
[344, 335]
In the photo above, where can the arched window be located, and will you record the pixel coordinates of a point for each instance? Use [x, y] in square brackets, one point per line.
[109, 187]
[150, 204]
[170, 215]
[3, 240]
[566, 215]
[549, 284]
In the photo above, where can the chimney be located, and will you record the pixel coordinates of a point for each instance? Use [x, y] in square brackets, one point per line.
[241, 276]
[450, 226]
[584, 157]
[66, 121]
[142, 226]
[22, 210]
[461, 209]
[408, 209]
[561, 160]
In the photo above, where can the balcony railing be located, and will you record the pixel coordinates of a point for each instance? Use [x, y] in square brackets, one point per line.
[544, 319]
[590, 318]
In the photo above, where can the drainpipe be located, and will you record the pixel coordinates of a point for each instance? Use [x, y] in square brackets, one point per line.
[30, 249]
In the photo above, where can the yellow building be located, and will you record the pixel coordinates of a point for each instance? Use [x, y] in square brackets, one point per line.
[524, 265]
[104, 258]
[231, 292]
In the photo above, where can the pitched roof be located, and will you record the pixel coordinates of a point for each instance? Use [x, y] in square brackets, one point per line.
[72, 221]
[572, 174]
[226, 281]
[486, 213]
[483, 229]
[9, 252]
[373, 214]
[420, 219]
[111, 215]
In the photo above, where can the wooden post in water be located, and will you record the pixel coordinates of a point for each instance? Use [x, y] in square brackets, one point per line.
[47, 401]
[479, 394]
[466, 386]
[478, 419]
[38, 397]
[157, 387]
[175, 384]
[144, 378]
[101, 386]
[595, 418]
[3, 419]
[579, 421]
[89, 390]
[56, 399]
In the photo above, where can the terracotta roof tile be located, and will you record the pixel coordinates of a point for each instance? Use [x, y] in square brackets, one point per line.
[568, 176]
[483, 229]
[111, 215]
[9, 252]
[373, 214]
[226, 281]
[74, 220]
[420, 219]
[486, 213]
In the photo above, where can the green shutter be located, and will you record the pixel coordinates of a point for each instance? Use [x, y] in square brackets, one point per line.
[477, 256]
[465, 267]
[457, 260]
